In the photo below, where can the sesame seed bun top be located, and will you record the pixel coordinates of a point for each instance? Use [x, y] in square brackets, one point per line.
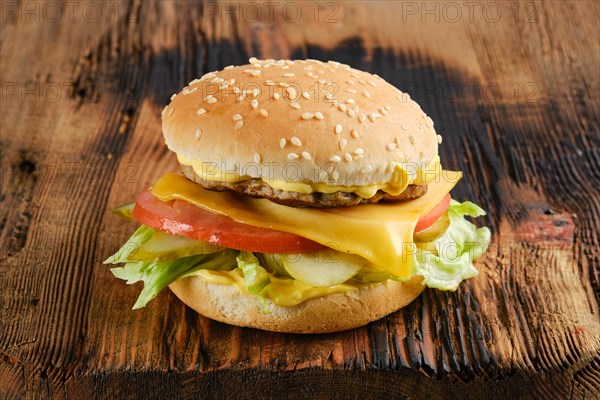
[301, 120]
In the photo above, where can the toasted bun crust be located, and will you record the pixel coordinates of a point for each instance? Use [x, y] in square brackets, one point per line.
[336, 312]
[299, 120]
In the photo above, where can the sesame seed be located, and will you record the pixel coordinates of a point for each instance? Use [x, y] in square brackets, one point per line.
[306, 155]
[342, 107]
[228, 67]
[236, 89]
[254, 103]
[362, 117]
[429, 122]
[276, 96]
[238, 125]
[264, 112]
[223, 86]
[252, 60]
[372, 117]
[366, 169]
[359, 151]
[354, 133]
[194, 82]
[198, 133]
[388, 107]
[351, 90]
[255, 92]
[412, 139]
[372, 83]
[207, 75]
[192, 90]
[439, 139]
[171, 112]
[292, 93]
[307, 115]
[397, 140]
[383, 111]
[292, 156]
[270, 82]
[257, 65]
[362, 82]
[173, 96]
[237, 117]
[296, 141]
[366, 94]
[338, 129]
[318, 115]
[359, 157]
[241, 97]
[211, 100]
[282, 143]
[288, 74]
[350, 82]
[256, 158]
[404, 127]
[335, 175]
[343, 143]
[306, 95]
[351, 113]
[335, 159]
[348, 157]
[200, 111]
[163, 111]
[308, 67]
[355, 75]
[295, 105]
[415, 106]
[350, 101]
[323, 176]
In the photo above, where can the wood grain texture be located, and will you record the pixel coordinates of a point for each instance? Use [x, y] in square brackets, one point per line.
[515, 94]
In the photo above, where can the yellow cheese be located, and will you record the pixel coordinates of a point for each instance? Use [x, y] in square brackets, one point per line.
[282, 292]
[381, 233]
[402, 176]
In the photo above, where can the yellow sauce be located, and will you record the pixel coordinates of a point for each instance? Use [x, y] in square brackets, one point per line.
[283, 292]
[402, 176]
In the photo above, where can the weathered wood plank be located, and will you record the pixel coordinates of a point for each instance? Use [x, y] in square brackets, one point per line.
[516, 99]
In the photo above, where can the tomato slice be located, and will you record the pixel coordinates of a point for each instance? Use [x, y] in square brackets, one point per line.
[181, 218]
[430, 218]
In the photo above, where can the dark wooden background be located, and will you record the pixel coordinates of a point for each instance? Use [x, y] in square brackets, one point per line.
[514, 87]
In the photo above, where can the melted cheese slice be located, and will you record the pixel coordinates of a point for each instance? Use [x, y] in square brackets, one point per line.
[381, 233]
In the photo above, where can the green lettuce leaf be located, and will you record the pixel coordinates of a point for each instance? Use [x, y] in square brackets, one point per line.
[157, 275]
[139, 237]
[455, 250]
[255, 276]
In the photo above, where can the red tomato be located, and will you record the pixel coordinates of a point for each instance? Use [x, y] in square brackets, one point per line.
[429, 219]
[181, 218]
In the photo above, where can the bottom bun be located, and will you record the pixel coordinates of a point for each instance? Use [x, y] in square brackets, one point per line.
[336, 312]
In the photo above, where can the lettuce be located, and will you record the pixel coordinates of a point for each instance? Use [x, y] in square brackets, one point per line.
[157, 275]
[255, 276]
[452, 260]
[139, 237]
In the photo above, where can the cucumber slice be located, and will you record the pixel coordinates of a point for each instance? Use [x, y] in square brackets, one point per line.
[433, 233]
[323, 268]
[163, 247]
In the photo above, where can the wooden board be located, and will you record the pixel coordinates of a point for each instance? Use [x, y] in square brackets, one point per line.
[512, 86]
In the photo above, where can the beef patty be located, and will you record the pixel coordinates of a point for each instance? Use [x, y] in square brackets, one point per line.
[261, 189]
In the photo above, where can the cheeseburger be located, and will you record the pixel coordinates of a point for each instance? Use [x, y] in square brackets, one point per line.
[311, 199]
